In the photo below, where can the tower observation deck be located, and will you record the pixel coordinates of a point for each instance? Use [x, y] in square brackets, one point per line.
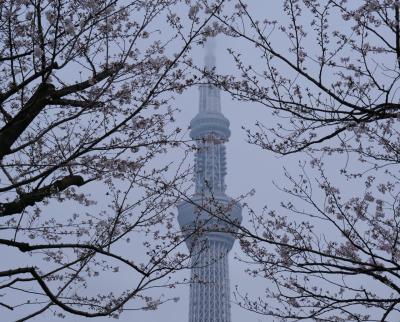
[206, 219]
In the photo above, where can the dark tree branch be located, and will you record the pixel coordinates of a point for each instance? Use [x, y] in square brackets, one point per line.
[30, 199]
[25, 247]
[13, 129]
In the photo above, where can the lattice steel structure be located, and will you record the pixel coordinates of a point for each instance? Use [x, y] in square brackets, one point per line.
[207, 218]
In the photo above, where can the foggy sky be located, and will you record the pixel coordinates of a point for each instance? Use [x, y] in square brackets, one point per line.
[248, 167]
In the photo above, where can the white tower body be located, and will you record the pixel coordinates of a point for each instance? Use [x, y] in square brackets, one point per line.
[207, 219]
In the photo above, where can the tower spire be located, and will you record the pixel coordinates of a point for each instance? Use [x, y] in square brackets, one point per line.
[209, 58]
[210, 99]
[210, 209]
[211, 128]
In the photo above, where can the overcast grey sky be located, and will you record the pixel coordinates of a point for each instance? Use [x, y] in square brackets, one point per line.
[248, 168]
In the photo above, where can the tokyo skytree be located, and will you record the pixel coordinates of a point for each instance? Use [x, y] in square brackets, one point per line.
[206, 219]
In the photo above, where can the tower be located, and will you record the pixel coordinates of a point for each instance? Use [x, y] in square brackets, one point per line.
[208, 219]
